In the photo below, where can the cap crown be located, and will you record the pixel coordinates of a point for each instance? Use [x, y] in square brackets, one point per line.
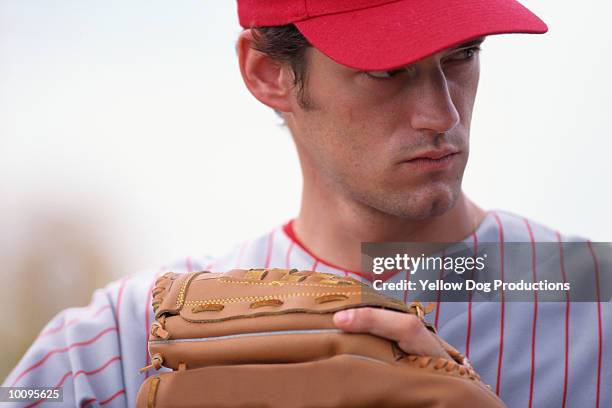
[261, 13]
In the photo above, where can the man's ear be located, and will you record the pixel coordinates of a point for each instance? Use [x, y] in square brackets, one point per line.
[266, 78]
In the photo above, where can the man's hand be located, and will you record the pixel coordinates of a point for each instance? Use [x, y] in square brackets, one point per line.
[406, 330]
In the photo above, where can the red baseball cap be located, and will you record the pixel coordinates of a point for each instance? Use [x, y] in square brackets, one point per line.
[373, 35]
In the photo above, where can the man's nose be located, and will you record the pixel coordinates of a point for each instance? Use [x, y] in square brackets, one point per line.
[432, 107]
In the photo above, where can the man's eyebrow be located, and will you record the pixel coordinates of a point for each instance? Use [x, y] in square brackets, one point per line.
[471, 43]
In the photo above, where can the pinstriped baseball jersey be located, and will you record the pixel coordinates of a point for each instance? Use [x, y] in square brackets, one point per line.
[540, 355]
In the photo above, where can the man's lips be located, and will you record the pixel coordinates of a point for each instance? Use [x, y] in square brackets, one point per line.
[431, 160]
[433, 154]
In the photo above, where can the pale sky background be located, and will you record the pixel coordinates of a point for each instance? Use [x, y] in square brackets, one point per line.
[131, 118]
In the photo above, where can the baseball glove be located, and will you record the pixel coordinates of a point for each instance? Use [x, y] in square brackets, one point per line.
[266, 338]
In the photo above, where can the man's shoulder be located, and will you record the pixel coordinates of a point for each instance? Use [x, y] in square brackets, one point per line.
[507, 226]
[253, 252]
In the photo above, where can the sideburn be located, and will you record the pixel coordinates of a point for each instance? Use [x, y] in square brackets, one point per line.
[299, 67]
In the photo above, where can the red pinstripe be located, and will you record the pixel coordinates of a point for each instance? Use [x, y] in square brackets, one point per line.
[104, 401]
[97, 370]
[408, 276]
[535, 312]
[315, 265]
[119, 299]
[288, 256]
[112, 397]
[439, 294]
[241, 254]
[503, 306]
[468, 335]
[567, 312]
[74, 375]
[64, 325]
[64, 378]
[290, 233]
[599, 329]
[87, 402]
[270, 246]
[63, 350]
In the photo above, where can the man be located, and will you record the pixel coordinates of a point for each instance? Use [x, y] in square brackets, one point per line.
[378, 97]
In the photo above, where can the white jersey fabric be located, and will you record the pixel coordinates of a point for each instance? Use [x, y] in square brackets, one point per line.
[540, 355]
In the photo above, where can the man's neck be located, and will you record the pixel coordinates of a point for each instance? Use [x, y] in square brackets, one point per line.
[334, 231]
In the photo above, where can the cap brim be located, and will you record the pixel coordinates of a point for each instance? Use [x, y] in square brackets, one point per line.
[402, 32]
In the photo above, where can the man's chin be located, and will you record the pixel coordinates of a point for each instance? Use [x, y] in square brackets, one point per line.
[429, 202]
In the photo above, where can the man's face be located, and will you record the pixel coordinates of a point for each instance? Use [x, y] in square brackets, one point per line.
[396, 141]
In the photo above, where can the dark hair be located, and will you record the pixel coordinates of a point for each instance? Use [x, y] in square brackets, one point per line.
[286, 44]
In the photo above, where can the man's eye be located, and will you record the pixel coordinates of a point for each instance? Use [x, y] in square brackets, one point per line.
[466, 54]
[383, 74]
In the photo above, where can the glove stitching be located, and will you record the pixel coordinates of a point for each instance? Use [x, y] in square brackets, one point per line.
[267, 297]
[282, 283]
